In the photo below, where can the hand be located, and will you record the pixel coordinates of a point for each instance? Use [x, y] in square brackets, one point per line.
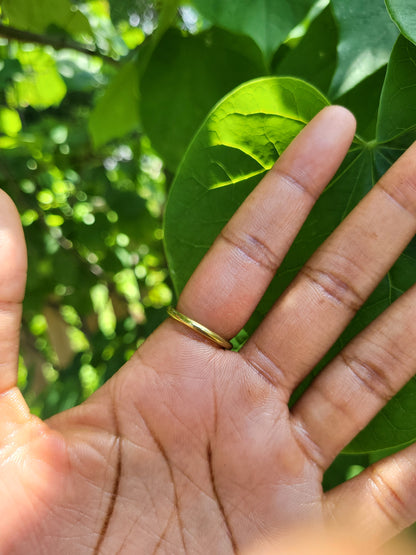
[193, 449]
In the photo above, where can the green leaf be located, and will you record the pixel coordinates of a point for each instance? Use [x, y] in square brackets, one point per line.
[10, 123]
[321, 40]
[233, 149]
[117, 111]
[40, 84]
[403, 14]
[267, 22]
[197, 71]
[398, 100]
[366, 38]
[38, 16]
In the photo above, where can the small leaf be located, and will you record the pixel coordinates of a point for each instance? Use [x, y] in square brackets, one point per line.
[117, 111]
[366, 38]
[10, 123]
[40, 84]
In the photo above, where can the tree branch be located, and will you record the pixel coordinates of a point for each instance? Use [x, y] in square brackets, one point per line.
[56, 42]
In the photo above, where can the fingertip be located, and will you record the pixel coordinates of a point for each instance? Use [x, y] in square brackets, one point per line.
[341, 116]
[12, 250]
[9, 214]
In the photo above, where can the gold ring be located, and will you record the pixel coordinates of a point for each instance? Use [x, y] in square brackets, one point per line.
[199, 328]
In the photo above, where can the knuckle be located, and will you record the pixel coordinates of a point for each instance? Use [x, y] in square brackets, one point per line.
[262, 364]
[302, 181]
[335, 287]
[252, 247]
[403, 193]
[310, 448]
[388, 499]
[374, 376]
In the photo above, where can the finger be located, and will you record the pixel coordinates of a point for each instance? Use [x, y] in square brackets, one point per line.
[12, 285]
[380, 502]
[359, 381]
[228, 284]
[337, 279]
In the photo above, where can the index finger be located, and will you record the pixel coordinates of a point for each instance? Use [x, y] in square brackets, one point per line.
[231, 279]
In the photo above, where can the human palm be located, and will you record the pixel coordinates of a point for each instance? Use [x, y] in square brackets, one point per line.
[193, 449]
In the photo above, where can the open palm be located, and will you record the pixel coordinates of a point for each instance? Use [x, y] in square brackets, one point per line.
[193, 449]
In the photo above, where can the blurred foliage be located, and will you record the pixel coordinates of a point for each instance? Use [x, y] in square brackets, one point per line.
[99, 100]
[97, 280]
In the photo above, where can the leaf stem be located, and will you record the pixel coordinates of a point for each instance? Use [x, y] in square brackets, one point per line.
[57, 43]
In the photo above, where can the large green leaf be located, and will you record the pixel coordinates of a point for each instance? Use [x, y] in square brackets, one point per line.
[403, 13]
[197, 71]
[117, 111]
[38, 16]
[398, 101]
[366, 38]
[233, 149]
[268, 22]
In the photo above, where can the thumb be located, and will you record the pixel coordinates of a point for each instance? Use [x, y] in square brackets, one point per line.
[13, 267]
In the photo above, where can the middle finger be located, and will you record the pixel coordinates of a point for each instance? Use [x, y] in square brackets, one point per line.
[337, 279]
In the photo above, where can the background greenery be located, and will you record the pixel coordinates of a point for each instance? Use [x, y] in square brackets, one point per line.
[107, 105]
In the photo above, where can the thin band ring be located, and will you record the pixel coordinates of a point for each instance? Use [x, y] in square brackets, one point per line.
[199, 328]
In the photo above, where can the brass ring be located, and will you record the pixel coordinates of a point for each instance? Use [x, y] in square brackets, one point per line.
[199, 328]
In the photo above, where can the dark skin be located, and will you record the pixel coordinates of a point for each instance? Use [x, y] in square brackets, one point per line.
[192, 449]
